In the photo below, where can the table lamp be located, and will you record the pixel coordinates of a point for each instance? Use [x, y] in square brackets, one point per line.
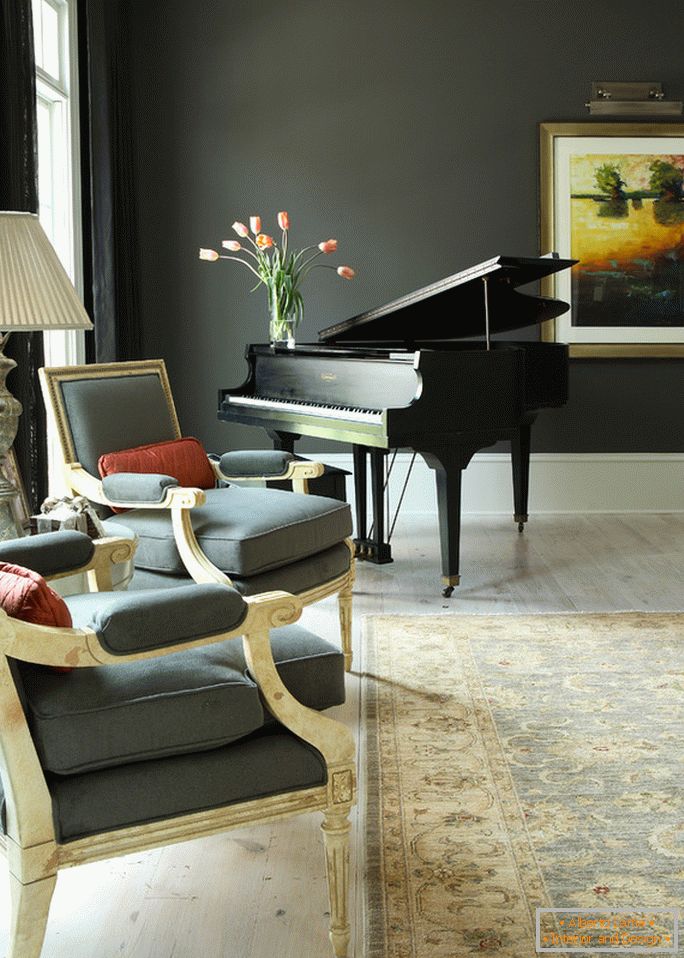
[35, 294]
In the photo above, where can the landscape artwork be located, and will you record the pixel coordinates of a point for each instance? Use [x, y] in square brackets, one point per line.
[627, 231]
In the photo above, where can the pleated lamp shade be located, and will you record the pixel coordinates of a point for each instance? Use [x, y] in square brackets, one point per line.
[35, 291]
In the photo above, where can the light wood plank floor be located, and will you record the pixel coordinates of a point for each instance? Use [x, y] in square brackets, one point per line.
[261, 891]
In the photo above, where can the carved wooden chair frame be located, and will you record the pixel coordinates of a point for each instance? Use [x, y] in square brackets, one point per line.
[177, 499]
[33, 853]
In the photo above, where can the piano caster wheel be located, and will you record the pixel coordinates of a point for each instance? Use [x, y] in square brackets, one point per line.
[521, 527]
[446, 592]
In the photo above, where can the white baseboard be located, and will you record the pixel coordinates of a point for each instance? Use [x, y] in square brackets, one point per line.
[559, 482]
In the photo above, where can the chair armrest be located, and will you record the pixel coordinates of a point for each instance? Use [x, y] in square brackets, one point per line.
[151, 619]
[142, 488]
[255, 463]
[175, 497]
[50, 554]
[202, 612]
[265, 464]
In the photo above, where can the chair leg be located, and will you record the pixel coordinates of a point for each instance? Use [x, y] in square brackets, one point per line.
[336, 827]
[30, 908]
[344, 602]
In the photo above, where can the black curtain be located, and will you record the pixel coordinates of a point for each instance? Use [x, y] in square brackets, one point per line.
[19, 191]
[107, 168]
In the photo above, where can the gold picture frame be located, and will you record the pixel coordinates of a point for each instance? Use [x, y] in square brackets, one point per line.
[569, 153]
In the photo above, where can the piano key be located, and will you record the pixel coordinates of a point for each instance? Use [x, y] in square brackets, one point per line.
[372, 416]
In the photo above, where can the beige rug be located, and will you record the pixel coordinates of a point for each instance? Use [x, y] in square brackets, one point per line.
[517, 762]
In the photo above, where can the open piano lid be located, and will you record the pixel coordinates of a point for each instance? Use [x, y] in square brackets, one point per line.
[454, 307]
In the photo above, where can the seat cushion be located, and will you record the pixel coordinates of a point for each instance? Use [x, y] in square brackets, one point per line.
[244, 531]
[296, 577]
[112, 715]
[311, 668]
[268, 763]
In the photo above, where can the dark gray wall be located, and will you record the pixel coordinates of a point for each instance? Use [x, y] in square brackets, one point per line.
[408, 131]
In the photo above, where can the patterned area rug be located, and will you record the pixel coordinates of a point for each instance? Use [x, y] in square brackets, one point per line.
[517, 762]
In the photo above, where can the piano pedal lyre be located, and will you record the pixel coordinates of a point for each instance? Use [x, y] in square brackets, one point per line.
[521, 520]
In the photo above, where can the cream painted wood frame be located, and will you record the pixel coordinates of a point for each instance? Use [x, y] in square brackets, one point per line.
[35, 856]
[177, 499]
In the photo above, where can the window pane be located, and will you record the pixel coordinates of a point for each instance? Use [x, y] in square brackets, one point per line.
[37, 31]
[46, 184]
[51, 39]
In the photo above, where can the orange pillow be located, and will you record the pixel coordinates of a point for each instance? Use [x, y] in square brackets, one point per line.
[26, 595]
[184, 459]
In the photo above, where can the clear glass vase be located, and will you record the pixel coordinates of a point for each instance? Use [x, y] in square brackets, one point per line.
[281, 328]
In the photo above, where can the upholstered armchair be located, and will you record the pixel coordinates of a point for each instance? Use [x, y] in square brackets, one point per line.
[148, 722]
[254, 539]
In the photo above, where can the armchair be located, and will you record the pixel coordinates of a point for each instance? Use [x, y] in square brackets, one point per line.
[253, 539]
[207, 735]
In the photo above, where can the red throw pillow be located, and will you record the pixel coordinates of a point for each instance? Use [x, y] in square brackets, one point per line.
[184, 459]
[26, 595]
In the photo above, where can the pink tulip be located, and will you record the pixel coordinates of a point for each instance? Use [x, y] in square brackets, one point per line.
[263, 241]
[240, 229]
[255, 224]
[232, 245]
[329, 246]
[346, 272]
[209, 254]
[283, 220]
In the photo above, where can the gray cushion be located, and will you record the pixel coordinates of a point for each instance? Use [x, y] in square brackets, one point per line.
[115, 412]
[244, 531]
[137, 486]
[311, 668]
[111, 715]
[255, 462]
[296, 577]
[267, 763]
[50, 552]
[128, 622]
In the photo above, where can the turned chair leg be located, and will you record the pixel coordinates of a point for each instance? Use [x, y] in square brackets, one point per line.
[344, 602]
[336, 828]
[30, 907]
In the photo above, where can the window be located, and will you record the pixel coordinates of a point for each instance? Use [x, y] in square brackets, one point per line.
[54, 32]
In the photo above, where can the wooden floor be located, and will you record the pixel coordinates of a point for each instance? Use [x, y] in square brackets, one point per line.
[260, 892]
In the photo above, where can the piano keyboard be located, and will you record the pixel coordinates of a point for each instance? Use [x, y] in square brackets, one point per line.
[348, 413]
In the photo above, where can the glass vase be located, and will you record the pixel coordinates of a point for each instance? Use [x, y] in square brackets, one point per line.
[281, 329]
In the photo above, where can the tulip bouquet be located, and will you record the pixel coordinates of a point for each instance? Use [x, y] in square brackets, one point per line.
[279, 269]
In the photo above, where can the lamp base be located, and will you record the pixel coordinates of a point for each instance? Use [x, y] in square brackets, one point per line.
[10, 410]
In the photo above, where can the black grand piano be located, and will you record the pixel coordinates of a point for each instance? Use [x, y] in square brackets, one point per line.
[422, 373]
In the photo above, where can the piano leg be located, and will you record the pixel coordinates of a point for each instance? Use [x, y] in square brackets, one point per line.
[284, 441]
[380, 550]
[360, 494]
[448, 464]
[520, 462]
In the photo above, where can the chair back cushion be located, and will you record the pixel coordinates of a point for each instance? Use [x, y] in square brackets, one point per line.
[184, 459]
[115, 412]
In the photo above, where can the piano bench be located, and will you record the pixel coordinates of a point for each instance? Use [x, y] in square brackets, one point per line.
[331, 484]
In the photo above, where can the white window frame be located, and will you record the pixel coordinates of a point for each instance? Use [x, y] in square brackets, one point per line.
[60, 94]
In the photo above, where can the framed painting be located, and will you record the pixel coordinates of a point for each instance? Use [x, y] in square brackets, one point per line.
[612, 197]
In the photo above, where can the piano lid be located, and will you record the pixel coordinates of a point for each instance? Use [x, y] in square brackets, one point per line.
[454, 307]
